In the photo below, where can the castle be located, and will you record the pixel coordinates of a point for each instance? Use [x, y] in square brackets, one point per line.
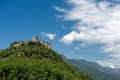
[34, 39]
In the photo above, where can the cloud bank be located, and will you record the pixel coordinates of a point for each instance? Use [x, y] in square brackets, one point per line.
[96, 22]
[49, 35]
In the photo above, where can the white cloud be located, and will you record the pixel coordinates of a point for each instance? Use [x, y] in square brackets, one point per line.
[69, 38]
[49, 35]
[59, 9]
[110, 62]
[96, 22]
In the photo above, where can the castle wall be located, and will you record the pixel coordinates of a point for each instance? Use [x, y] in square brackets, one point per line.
[34, 39]
[19, 43]
[46, 44]
[49, 45]
[16, 44]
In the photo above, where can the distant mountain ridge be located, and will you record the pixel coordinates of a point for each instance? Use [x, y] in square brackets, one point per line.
[95, 70]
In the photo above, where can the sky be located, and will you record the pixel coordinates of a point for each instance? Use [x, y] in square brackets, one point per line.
[80, 29]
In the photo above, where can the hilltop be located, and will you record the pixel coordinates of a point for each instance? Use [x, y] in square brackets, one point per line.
[35, 40]
[34, 61]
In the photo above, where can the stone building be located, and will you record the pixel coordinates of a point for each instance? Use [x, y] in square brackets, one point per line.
[34, 39]
[46, 44]
[19, 43]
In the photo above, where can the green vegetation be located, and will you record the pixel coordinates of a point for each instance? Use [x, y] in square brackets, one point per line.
[35, 62]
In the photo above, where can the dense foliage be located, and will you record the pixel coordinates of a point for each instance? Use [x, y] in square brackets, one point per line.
[35, 62]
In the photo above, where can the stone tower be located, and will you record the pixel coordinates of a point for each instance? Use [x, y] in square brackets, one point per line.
[21, 42]
[35, 39]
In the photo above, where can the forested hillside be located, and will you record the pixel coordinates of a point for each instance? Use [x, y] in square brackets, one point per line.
[34, 61]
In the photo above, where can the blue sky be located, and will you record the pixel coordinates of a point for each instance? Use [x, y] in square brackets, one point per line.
[26, 18]
[20, 20]
[75, 30]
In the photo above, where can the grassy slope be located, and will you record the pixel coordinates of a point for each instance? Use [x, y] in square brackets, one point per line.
[35, 62]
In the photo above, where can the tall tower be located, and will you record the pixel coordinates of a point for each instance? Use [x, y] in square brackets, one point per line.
[21, 42]
[35, 39]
